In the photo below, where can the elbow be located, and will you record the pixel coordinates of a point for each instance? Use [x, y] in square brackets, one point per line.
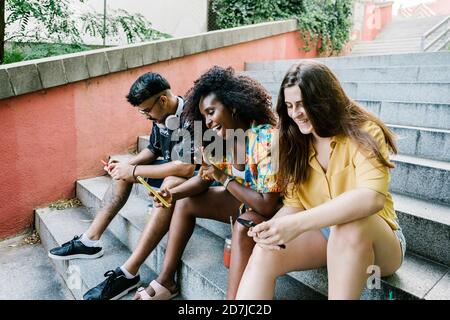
[378, 202]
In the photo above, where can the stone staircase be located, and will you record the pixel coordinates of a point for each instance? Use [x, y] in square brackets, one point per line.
[401, 36]
[410, 92]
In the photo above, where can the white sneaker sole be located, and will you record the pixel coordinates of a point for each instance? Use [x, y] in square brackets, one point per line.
[77, 256]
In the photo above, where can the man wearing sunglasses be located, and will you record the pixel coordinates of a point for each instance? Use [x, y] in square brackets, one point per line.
[152, 96]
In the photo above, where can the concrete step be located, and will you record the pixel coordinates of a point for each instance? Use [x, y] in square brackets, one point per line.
[401, 113]
[426, 227]
[58, 226]
[397, 91]
[421, 178]
[409, 28]
[195, 277]
[423, 142]
[429, 115]
[380, 60]
[376, 74]
[359, 53]
[392, 41]
[381, 50]
[425, 215]
[415, 279]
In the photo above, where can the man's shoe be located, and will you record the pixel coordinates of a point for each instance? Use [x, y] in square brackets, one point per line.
[75, 249]
[115, 286]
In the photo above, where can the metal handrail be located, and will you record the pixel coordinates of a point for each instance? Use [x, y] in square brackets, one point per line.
[441, 35]
[434, 28]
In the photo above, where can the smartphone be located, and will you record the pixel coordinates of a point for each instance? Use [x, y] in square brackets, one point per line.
[246, 223]
[251, 223]
[105, 164]
[153, 191]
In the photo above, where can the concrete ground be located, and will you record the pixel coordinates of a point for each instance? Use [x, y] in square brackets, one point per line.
[26, 273]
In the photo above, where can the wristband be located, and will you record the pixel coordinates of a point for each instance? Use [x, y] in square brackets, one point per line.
[134, 170]
[227, 181]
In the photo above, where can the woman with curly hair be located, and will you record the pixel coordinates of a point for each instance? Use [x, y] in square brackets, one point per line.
[224, 102]
[338, 212]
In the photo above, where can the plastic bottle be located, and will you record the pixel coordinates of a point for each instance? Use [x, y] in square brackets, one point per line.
[227, 252]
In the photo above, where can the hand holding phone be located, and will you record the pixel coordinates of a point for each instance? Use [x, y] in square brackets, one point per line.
[105, 164]
[250, 224]
[153, 191]
[246, 223]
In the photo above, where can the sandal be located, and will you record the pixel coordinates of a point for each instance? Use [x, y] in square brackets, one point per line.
[161, 293]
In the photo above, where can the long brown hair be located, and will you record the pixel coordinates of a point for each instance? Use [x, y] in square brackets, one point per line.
[331, 113]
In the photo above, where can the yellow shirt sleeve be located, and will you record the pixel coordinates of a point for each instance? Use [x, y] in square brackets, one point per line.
[291, 198]
[369, 171]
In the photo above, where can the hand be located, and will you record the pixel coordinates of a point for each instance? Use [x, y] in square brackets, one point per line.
[165, 194]
[107, 167]
[272, 233]
[208, 171]
[121, 171]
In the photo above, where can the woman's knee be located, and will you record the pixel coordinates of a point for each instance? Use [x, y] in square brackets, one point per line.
[263, 257]
[352, 235]
[183, 207]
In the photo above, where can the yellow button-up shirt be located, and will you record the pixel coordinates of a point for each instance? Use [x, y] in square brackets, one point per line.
[348, 168]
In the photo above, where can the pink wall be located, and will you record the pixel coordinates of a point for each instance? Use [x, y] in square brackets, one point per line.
[376, 17]
[54, 137]
[440, 7]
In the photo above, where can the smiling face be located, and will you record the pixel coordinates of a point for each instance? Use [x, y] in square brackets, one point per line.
[216, 115]
[296, 110]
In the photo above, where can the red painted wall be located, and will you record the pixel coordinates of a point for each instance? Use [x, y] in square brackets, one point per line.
[50, 139]
[375, 19]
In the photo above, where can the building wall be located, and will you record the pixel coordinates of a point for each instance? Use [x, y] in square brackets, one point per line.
[51, 138]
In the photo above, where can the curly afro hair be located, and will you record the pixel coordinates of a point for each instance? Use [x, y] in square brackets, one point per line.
[248, 97]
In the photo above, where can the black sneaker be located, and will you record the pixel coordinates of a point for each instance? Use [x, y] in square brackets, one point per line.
[115, 286]
[75, 249]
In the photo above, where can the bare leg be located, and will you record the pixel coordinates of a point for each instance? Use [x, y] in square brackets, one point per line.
[241, 249]
[155, 229]
[115, 198]
[183, 223]
[355, 246]
[307, 251]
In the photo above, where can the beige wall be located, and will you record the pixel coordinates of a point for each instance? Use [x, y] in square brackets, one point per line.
[175, 17]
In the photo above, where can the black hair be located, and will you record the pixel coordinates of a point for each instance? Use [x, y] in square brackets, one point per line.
[247, 96]
[146, 86]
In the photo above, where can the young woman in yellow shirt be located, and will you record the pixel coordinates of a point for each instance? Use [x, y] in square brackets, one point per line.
[338, 212]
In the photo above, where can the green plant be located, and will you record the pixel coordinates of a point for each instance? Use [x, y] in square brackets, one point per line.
[327, 21]
[53, 21]
[19, 51]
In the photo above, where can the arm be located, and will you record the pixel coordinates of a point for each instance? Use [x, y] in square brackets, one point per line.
[144, 157]
[191, 187]
[263, 203]
[124, 171]
[160, 171]
[349, 206]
